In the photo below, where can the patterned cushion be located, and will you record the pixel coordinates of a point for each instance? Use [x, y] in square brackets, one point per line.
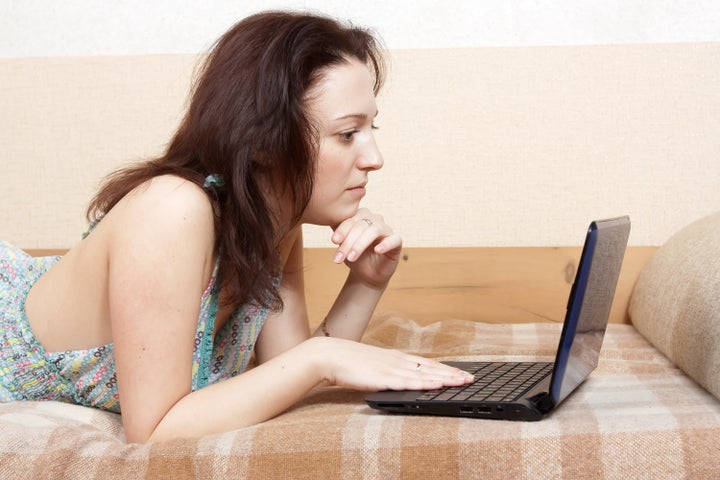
[676, 302]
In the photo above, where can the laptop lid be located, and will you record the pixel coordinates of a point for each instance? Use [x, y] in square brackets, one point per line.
[589, 303]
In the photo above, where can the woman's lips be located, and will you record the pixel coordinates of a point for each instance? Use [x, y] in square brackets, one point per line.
[359, 190]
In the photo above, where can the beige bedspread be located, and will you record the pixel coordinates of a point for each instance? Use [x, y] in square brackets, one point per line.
[636, 417]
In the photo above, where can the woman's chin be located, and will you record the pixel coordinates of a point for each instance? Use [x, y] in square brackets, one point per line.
[333, 219]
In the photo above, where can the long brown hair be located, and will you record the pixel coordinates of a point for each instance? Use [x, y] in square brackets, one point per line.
[247, 122]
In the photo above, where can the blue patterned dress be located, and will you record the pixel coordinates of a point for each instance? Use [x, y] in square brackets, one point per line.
[87, 377]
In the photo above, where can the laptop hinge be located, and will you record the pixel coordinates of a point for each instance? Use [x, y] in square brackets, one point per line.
[543, 401]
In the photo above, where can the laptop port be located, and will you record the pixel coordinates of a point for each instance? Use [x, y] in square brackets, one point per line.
[466, 410]
[484, 410]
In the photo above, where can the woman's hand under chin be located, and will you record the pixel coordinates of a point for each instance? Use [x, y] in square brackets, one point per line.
[369, 247]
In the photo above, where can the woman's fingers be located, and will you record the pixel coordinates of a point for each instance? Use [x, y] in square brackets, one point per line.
[356, 234]
[426, 376]
[424, 368]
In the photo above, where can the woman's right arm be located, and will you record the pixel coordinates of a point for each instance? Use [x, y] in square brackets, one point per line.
[160, 241]
[160, 260]
[272, 387]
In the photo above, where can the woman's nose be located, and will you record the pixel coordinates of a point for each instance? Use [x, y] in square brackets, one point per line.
[371, 158]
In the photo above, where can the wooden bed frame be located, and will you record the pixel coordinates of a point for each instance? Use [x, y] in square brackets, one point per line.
[484, 284]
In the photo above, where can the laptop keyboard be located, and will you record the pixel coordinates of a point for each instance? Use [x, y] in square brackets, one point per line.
[494, 382]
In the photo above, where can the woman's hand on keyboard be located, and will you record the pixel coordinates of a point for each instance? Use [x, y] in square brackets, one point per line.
[360, 366]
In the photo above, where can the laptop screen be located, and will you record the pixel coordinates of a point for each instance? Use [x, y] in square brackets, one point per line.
[589, 305]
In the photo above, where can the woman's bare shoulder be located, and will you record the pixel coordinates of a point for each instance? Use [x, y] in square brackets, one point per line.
[171, 192]
[167, 217]
[166, 203]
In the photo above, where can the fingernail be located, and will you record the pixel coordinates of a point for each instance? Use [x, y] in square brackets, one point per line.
[338, 257]
[352, 256]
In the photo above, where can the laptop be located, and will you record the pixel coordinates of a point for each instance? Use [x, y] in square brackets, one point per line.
[529, 391]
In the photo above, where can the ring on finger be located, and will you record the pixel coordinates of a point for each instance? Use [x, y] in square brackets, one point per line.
[418, 366]
[368, 221]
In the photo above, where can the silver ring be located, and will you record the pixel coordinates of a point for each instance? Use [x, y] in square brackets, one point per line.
[368, 221]
[418, 367]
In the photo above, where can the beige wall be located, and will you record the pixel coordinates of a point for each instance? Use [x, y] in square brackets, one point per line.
[483, 146]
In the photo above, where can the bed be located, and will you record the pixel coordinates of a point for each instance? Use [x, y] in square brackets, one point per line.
[638, 416]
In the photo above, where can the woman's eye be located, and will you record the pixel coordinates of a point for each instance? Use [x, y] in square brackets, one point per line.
[348, 136]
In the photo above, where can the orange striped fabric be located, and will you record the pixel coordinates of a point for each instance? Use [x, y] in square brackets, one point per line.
[637, 416]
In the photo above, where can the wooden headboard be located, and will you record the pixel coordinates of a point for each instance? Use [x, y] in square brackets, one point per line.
[484, 284]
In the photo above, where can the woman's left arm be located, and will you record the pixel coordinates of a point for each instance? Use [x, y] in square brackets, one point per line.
[371, 250]
[288, 327]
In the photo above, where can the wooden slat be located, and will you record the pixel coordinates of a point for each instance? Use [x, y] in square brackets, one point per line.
[45, 252]
[485, 284]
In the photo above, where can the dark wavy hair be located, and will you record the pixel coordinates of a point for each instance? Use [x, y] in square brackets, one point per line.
[247, 121]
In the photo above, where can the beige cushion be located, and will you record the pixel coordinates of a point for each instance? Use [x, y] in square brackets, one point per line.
[676, 302]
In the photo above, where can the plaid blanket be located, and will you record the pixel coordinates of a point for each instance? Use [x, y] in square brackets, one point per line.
[637, 416]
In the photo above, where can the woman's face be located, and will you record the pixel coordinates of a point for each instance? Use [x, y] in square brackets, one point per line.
[342, 103]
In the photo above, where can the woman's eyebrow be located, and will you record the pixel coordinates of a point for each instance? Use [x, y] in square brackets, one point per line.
[359, 116]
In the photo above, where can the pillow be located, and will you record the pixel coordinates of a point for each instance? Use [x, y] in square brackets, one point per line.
[676, 302]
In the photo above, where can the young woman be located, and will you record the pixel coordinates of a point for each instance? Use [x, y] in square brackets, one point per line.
[193, 261]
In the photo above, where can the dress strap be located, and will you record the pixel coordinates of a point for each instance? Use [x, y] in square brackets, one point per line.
[202, 354]
[92, 226]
